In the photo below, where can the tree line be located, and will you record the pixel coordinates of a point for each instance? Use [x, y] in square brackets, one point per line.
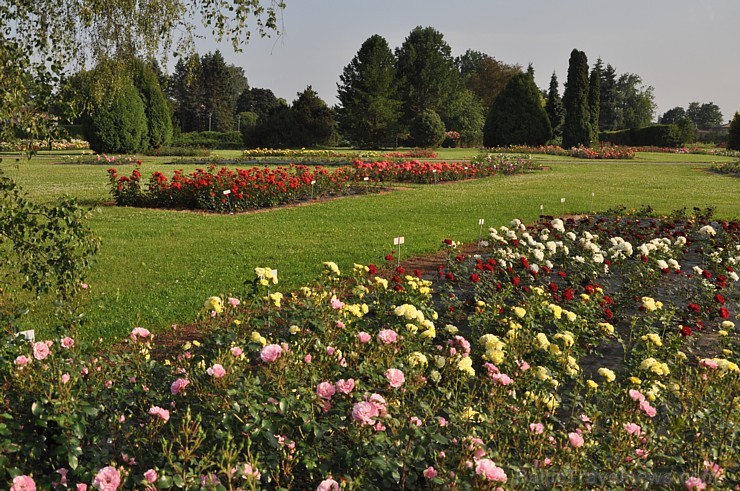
[417, 94]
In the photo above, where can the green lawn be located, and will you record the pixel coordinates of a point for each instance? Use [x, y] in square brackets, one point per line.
[156, 267]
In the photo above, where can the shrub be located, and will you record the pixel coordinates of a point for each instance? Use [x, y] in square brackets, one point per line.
[159, 119]
[209, 139]
[517, 116]
[119, 124]
[427, 130]
[247, 123]
[658, 135]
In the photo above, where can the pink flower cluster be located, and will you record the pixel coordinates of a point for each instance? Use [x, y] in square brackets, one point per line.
[490, 471]
[365, 412]
[271, 352]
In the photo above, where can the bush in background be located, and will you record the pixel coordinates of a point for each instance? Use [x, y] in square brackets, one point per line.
[119, 125]
[427, 130]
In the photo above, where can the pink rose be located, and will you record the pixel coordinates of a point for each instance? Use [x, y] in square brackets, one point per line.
[216, 371]
[330, 350]
[395, 377]
[248, 471]
[139, 332]
[387, 336]
[308, 358]
[695, 483]
[40, 350]
[158, 411]
[633, 429]
[636, 395]
[379, 402]
[65, 378]
[489, 470]
[536, 428]
[234, 301]
[522, 365]
[345, 386]
[328, 485]
[81, 486]
[67, 342]
[575, 439]
[236, 351]
[336, 303]
[363, 337]
[501, 379]
[178, 385]
[649, 410]
[365, 412]
[709, 363]
[23, 483]
[150, 476]
[271, 352]
[107, 479]
[22, 361]
[430, 472]
[340, 325]
[325, 390]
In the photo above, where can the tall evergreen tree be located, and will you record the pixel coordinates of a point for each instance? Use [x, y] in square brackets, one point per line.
[594, 92]
[427, 74]
[222, 85]
[577, 125]
[733, 141]
[369, 107]
[607, 97]
[554, 107]
[315, 120]
[156, 108]
[259, 101]
[517, 116]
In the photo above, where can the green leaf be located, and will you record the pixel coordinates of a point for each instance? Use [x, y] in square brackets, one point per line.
[37, 408]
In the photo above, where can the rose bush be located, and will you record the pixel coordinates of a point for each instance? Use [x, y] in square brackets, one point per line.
[555, 357]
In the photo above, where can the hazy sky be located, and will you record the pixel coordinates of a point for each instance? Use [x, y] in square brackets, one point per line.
[688, 50]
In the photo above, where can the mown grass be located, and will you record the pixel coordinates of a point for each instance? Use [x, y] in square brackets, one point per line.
[156, 267]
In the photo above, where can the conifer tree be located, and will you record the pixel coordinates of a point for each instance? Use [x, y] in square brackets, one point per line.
[733, 143]
[594, 93]
[577, 125]
[554, 107]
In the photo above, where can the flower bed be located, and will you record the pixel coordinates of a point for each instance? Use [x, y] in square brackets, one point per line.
[224, 190]
[732, 168]
[304, 155]
[488, 377]
[600, 152]
[36, 145]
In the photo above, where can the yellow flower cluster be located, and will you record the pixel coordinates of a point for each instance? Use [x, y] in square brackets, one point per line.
[465, 364]
[607, 374]
[520, 312]
[542, 340]
[651, 305]
[215, 304]
[606, 328]
[654, 366]
[566, 337]
[417, 359]
[276, 298]
[357, 310]
[266, 275]
[256, 337]
[547, 400]
[557, 310]
[422, 286]
[409, 312]
[494, 348]
[331, 268]
[652, 338]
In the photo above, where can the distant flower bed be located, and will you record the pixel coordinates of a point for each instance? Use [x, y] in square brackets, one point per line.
[601, 152]
[89, 158]
[225, 190]
[560, 356]
[37, 145]
[304, 155]
[727, 168]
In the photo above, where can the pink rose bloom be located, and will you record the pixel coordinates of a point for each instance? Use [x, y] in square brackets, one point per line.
[695, 483]
[330, 350]
[336, 304]
[63, 473]
[340, 325]
[67, 342]
[325, 390]
[441, 421]
[633, 429]
[81, 486]
[636, 395]
[248, 471]
[387, 336]
[522, 365]
[23, 483]
[328, 485]
[363, 337]
[501, 379]
[236, 351]
[536, 428]
[415, 421]
[139, 332]
[430, 472]
[178, 385]
[308, 358]
[22, 361]
[345, 386]
[489, 470]
[40, 350]
[65, 378]
[380, 403]
[575, 439]
[271, 352]
[365, 412]
[158, 411]
[107, 479]
[234, 301]
[395, 377]
[709, 363]
[216, 371]
[649, 410]
[150, 476]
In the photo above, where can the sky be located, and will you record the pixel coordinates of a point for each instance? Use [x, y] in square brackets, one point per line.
[687, 50]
